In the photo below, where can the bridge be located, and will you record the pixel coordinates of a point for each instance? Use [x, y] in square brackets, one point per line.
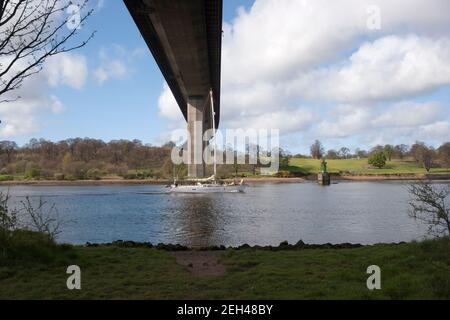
[185, 38]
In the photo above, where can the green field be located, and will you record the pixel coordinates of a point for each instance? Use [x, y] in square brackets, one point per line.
[408, 271]
[358, 166]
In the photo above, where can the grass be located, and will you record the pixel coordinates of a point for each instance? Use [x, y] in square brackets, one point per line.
[409, 271]
[359, 166]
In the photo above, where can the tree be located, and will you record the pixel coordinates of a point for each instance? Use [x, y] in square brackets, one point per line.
[8, 223]
[423, 155]
[43, 218]
[285, 156]
[344, 152]
[8, 148]
[32, 31]
[361, 153]
[388, 151]
[317, 150]
[428, 204]
[377, 159]
[444, 155]
[332, 154]
[284, 161]
[400, 151]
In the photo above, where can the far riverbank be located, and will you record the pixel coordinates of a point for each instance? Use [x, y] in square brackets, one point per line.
[248, 180]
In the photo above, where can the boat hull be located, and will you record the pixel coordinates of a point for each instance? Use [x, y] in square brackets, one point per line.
[208, 189]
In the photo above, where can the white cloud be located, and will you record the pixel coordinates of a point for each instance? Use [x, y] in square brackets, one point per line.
[168, 106]
[67, 68]
[313, 66]
[344, 121]
[409, 114]
[402, 122]
[115, 69]
[116, 62]
[20, 116]
[277, 38]
[56, 105]
[435, 131]
[100, 4]
[389, 68]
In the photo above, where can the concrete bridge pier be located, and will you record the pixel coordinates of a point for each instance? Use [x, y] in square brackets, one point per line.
[185, 38]
[196, 125]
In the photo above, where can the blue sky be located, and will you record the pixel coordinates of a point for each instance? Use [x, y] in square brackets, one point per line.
[310, 67]
[124, 108]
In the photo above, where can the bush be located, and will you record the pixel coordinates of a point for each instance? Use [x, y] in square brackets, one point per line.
[130, 176]
[46, 174]
[33, 173]
[429, 204]
[94, 174]
[377, 159]
[75, 170]
[139, 175]
[283, 174]
[28, 235]
[59, 176]
[6, 178]
[29, 247]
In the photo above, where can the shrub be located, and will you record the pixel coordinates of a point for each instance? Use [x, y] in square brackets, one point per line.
[94, 174]
[377, 159]
[28, 234]
[33, 173]
[6, 178]
[46, 174]
[26, 246]
[130, 176]
[75, 170]
[59, 176]
[429, 204]
[283, 174]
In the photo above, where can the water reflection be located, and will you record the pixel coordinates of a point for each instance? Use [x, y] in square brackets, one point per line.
[197, 220]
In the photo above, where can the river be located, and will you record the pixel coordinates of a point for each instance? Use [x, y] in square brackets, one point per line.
[266, 214]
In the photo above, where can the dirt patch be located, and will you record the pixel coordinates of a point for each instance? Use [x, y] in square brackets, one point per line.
[201, 263]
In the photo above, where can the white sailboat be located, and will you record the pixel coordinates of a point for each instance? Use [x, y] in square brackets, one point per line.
[208, 185]
[213, 187]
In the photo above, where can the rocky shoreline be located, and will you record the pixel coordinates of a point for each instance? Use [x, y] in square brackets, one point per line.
[300, 245]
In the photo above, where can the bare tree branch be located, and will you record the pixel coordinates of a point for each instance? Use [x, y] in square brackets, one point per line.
[42, 218]
[32, 31]
[429, 205]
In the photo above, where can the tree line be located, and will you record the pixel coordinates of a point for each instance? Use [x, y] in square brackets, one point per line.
[75, 159]
[426, 156]
[83, 159]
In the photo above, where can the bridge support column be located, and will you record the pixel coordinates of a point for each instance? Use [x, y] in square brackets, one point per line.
[196, 128]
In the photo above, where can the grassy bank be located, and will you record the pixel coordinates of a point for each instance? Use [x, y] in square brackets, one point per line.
[409, 271]
[360, 167]
[298, 167]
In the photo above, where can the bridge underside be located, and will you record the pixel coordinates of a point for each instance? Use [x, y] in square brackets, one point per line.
[185, 38]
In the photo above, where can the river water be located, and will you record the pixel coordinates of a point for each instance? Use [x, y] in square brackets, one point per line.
[266, 214]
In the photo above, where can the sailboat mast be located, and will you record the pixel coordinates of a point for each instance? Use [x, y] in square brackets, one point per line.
[213, 114]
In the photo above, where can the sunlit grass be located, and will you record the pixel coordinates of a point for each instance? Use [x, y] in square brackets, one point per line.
[360, 166]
